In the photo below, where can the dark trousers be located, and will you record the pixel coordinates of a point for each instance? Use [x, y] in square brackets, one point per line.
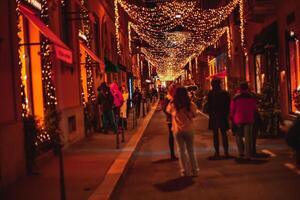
[171, 141]
[123, 123]
[224, 140]
[109, 121]
[138, 109]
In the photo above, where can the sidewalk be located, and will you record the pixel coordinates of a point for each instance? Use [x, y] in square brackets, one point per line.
[87, 164]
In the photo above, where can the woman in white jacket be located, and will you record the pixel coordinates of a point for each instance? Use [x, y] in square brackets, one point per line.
[123, 109]
[183, 112]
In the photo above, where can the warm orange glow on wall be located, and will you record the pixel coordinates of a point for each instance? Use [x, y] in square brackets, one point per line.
[297, 63]
[294, 68]
[24, 72]
[36, 72]
[83, 74]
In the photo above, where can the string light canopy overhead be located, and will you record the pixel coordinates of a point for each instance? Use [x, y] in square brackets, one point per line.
[176, 31]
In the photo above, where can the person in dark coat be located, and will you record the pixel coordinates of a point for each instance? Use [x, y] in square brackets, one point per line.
[218, 111]
[167, 101]
[106, 101]
[137, 99]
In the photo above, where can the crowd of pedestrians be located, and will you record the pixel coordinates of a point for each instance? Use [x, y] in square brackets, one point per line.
[114, 105]
[238, 113]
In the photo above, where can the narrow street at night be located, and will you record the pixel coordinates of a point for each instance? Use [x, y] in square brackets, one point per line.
[152, 175]
[150, 100]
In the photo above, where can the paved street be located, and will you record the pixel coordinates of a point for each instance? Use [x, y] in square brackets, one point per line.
[85, 165]
[151, 175]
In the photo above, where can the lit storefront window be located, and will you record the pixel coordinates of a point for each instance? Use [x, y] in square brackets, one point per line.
[31, 73]
[294, 72]
[218, 69]
[259, 75]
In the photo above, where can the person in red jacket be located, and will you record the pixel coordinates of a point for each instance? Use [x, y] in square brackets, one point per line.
[242, 109]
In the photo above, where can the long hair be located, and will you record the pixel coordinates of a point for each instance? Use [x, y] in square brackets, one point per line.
[182, 99]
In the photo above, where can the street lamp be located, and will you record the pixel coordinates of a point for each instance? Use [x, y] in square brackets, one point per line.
[178, 16]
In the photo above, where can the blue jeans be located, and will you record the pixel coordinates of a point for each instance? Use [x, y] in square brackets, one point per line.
[245, 147]
[185, 141]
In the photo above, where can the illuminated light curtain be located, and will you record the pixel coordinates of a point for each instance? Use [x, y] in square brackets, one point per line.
[169, 51]
[88, 62]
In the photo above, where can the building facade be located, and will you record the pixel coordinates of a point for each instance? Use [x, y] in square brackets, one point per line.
[53, 57]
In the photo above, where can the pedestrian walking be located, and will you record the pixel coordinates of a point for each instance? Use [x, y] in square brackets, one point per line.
[293, 139]
[137, 98]
[118, 101]
[123, 109]
[100, 109]
[106, 101]
[168, 100]
[242, 112]
[183, 112]
[218, 108]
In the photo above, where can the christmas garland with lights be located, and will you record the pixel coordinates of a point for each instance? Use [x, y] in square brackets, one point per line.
[89, 106]
[46, 131]
[52, 118]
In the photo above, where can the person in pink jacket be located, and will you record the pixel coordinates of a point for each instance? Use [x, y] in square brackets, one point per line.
[118, 97]
[118, 100]
[242, 109]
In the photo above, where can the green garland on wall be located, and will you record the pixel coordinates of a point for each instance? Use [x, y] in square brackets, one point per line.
[52, 118]
[89, 106]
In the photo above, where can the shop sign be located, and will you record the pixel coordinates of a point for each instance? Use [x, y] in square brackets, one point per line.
[63, 54]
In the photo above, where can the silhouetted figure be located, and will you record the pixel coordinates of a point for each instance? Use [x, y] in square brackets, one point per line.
[106, 101]
[137, 99]
[218, 105]
[168, 100]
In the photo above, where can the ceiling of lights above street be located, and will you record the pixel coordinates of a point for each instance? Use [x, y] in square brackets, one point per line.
[174, 32]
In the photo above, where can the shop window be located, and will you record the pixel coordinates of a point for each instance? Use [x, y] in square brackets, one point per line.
[31, 72]
[218, 69]
[83, 74]
[259, 75]
[294, 71]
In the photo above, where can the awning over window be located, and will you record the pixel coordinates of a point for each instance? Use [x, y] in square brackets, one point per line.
[93, 55]
[110, 67]
[62, 51]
